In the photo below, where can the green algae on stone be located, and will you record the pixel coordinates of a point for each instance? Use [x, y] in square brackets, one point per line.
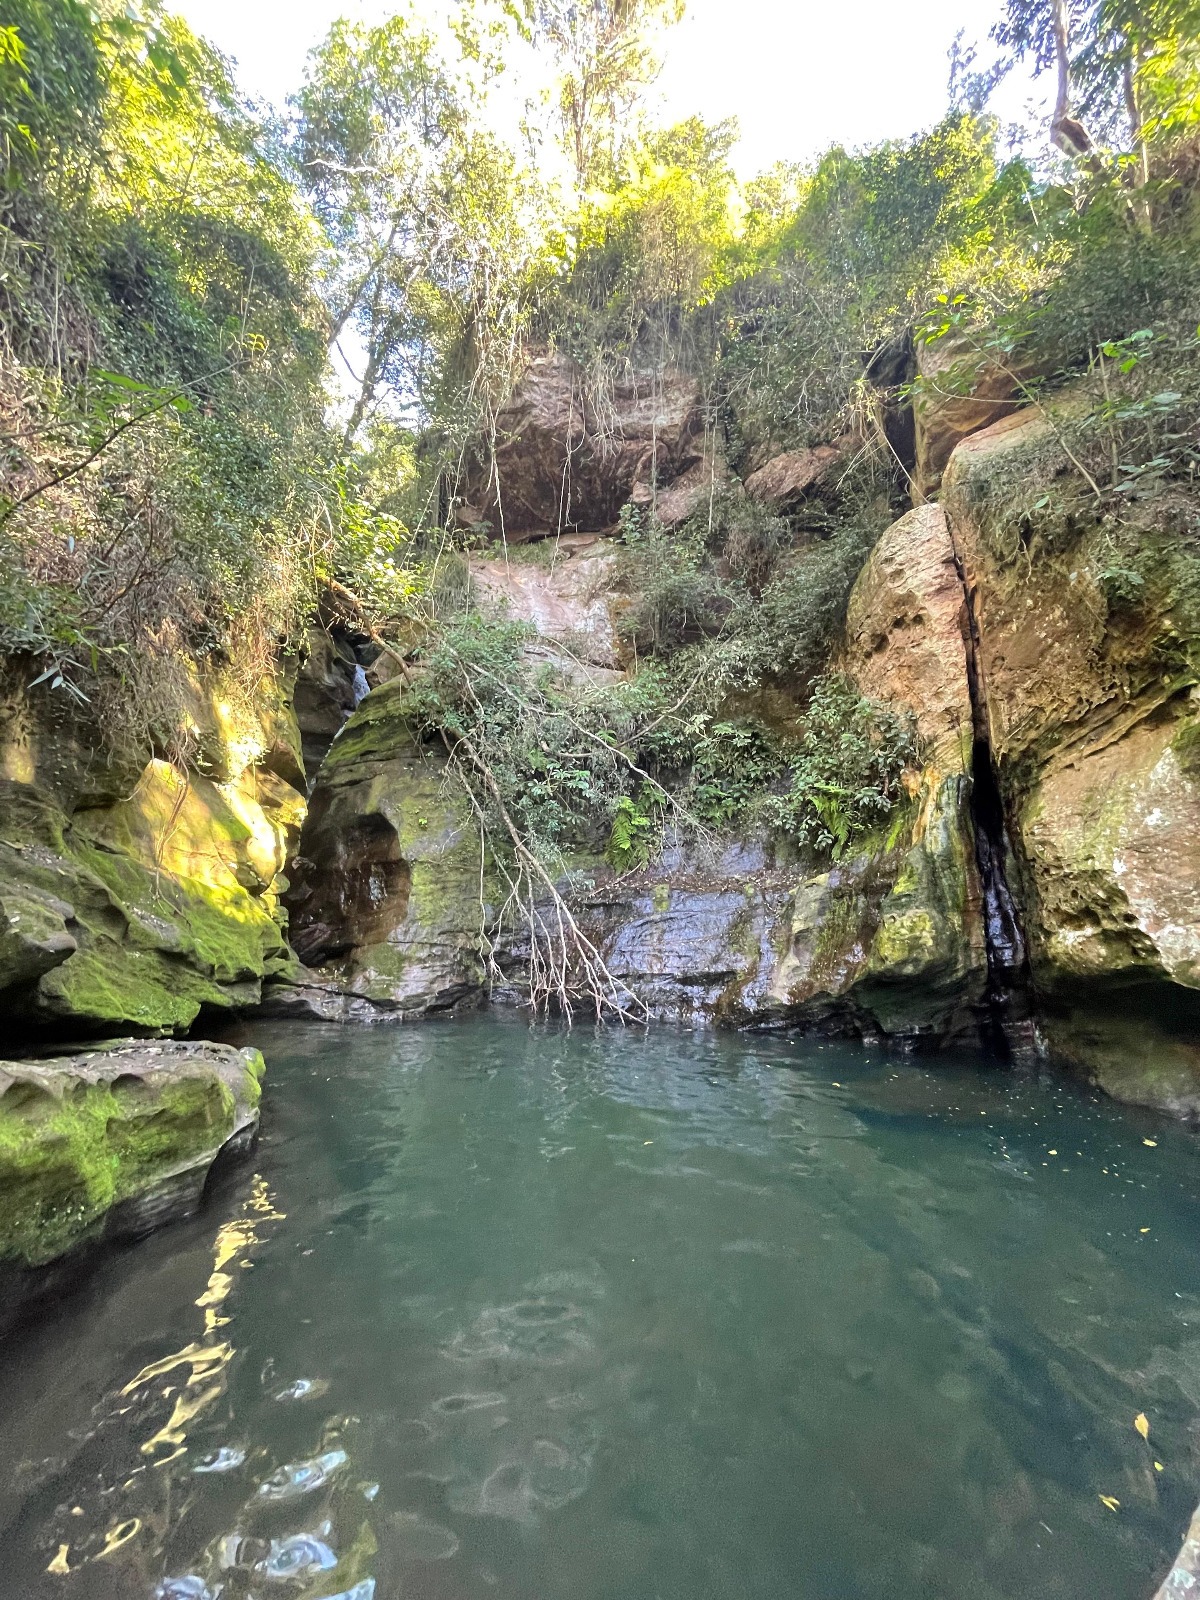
[134, 1125]
[391, 892]
[132, 894]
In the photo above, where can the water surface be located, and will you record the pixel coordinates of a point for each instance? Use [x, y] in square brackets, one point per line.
[546, 1316]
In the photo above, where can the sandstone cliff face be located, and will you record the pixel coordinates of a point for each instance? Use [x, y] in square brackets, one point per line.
[385, 898]
[961, 391]
[1091, 710]
[905, 646]
[569, 597]
[136, 896]
[385, 887]
[894, 934]
[567, 461]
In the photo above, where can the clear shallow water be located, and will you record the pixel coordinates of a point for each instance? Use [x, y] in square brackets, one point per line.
[534, 1316]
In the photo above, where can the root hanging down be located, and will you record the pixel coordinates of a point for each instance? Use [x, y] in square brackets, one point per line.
[565, 967]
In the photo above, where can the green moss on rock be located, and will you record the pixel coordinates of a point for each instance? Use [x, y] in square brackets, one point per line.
[140, 909]
[135, 1126]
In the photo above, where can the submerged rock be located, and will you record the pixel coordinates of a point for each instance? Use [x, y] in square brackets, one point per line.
[110, 1144]
[1183, 1580]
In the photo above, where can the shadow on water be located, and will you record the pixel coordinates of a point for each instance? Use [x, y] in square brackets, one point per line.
[501, 1312]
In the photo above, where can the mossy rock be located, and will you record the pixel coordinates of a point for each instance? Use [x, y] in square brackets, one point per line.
[114, 1142]
[891, 940]
[141, 911]
[385, 896]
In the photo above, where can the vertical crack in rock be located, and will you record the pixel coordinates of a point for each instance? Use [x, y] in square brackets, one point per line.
[1008, 1022]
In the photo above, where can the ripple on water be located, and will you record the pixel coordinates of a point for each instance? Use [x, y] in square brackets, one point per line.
[456, 1404]
[415, 1538]
[548, 1475]
[538, 1329]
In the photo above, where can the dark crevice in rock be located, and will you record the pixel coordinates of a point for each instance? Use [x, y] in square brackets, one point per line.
[1007, 1022]
[353, 888]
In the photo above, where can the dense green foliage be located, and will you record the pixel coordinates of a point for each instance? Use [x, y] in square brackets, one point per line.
[178, 484]
[161, 368]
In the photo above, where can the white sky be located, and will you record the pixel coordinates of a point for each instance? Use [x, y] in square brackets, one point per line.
[797, 74]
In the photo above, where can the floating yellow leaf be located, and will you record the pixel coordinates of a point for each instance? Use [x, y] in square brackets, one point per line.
[1051, 1152]
[1141, 1424]
[1158, 1466]
[1143, 1230]
[59, 1565]
[1107, 1500]
[1151, 1144]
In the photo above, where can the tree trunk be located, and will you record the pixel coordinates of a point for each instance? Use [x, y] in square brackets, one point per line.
[1066, 132]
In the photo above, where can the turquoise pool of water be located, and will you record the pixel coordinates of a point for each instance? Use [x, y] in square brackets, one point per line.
[509, 1314]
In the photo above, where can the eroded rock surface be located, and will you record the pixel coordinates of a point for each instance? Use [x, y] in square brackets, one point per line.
[328, 686]
[1092, 716]
[112, 1143]
[568, 596]
[132, 896]
[566, 460]
[963, 389]
[385, 890]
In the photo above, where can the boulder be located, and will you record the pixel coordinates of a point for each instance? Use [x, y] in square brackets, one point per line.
[961, 389]
[110, 1144]
[787, 481]
[131, 896]
[688, 495]
[1092, 713]
[567, 460]
[385, 887]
